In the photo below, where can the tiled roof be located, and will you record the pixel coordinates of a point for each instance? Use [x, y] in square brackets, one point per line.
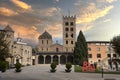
[45, 35]
[8, 28]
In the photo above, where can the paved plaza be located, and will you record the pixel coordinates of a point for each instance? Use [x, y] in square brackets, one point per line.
[41, 72]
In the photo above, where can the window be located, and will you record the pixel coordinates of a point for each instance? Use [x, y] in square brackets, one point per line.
[89, 55]
[57, 50]
[98, 55]
[89, 49]
[66, 29]
[108, 55]
[66, 24]
[98, 49]
[66, 35]
[66, 42]
[72, 35]
[47, 41]
[114, 55]
[71, 42]
[71, 24]
[42, 41]
[71, 29]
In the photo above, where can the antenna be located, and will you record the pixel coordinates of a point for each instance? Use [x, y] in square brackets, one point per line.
[68, 12]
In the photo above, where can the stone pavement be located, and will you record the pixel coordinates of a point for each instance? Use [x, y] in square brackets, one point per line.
[42, 72]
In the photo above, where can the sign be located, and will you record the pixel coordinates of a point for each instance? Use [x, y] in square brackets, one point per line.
[87, 67]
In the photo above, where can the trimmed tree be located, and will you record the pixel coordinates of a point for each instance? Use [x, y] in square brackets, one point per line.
[80, 50]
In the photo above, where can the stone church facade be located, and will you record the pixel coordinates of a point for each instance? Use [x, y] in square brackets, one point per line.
[20, 51]
[49, 52]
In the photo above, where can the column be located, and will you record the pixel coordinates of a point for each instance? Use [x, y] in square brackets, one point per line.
[58, 59]
[66, 58]
[44, 58]
[36, 59]
[51, 58]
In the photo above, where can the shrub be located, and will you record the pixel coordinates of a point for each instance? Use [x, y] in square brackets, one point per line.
[77, 68]
[53, 66]
[97, 69]
[3, 66]
[18, 67]
[68, 67]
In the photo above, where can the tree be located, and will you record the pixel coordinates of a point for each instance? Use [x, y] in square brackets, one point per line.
[80, 50]
[4, 47]
[116, 46]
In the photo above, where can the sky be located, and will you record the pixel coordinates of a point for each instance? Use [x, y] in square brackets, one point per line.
[98, 19]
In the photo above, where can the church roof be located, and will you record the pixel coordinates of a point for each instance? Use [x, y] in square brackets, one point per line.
[45, 35]
[8, 28]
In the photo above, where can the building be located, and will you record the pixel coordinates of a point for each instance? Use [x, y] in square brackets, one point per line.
[20, 52]
[99, 51]
[49, 52]
[102, 54]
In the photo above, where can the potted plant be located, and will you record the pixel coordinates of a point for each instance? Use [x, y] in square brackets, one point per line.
[68, 67]
[53, 66]
[3, 66]
[18, 67]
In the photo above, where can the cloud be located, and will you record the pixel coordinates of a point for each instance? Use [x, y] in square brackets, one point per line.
[21, 4]
[107, 20]
[7, 12]
[29, 33]
[55, 29]
[56, 0]
[109, 1]
[91, 13]
[50, 11]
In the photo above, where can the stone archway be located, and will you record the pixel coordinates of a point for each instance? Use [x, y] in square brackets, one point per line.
[48, 59]
[40, 59]
[70, 59]
[62, 59]
[55, 59]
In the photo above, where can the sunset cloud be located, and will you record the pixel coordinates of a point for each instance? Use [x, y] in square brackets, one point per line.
[50, 11]
[7, 12]
[92, 13]
[107, 20]
[55, 30]
[21, 4]
[109, 1]
[29, 33]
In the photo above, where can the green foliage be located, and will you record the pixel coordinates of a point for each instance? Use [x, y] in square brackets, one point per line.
[3, 66]
[80, 50]
[77, 68]
[4, 47]
[18, 67]
[53, 66]
[68, 66]
[98, 69]
[116, 44]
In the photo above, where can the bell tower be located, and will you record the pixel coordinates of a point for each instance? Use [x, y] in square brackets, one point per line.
[69, 33]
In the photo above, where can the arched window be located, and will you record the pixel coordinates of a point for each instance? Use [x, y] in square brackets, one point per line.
[66, 42]
[66, 35]
[71, 29]
[66, 29]
[71, 23]
[66, 23]
[72, 35]
[57, 50]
